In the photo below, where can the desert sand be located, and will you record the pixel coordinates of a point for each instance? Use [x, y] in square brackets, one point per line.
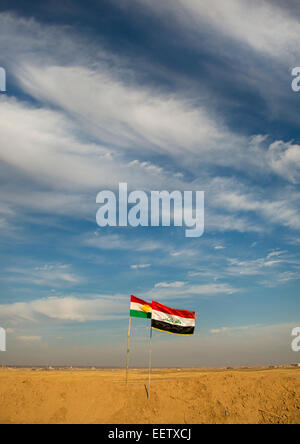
[177, 396]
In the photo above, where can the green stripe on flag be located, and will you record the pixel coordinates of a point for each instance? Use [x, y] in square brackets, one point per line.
[140, 314]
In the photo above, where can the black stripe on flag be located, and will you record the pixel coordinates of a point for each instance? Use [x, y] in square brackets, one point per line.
[172, 328]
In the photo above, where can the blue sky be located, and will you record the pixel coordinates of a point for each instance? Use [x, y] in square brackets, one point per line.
[173, 95]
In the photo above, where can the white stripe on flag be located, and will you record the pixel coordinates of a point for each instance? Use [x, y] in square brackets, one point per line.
[172, 319]
[138, 307]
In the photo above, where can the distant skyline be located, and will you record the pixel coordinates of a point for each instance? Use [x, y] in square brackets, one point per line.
[173, 95]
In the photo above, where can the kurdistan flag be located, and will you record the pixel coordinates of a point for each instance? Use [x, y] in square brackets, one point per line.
[139, 308]
[170, 320]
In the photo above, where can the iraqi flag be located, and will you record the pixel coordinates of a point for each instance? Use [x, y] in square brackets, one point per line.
[170, 320]
[139, 308]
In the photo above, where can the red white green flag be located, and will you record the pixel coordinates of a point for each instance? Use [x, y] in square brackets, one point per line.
[139, 308]
[171, 320]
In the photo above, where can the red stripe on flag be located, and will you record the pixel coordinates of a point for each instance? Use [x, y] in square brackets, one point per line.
[139, 301]
[172, 311]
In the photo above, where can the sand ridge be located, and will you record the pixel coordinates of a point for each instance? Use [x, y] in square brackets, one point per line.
[178, 397]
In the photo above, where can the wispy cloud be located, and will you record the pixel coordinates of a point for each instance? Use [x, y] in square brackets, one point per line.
[268, 26]
[54, 275]
[282, 278]
[120, 120]
[186, 290]
[140, 266]
[104, 241]
[282, 211]
[284, 159]
[229, 329]
[66, 309]
[176, 284]
[272, 261]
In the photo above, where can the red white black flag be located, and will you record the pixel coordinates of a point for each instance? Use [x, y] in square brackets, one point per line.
[170, 320]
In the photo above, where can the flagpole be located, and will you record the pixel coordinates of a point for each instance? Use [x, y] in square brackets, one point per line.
[128, 349]
[150, 362]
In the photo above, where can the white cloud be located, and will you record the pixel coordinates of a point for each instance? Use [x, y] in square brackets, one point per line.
[217, 220]
[288, 276]
[229, 329]
[103, 241]
[45, 148]
[282, 210]
[189, 291]
[278, 267]
[69, 308]
[55, 275]
[108, 105]
[261, 25]
[130, 117]
[250, 267]
[284, 159]
[282, 278]
[53, 168]
[127, 116]
[176, 284]
[148, 166]
[140, 266]
[186, 252]
[275, 253]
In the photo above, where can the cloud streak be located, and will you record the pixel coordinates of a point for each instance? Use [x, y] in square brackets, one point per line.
[65, 309]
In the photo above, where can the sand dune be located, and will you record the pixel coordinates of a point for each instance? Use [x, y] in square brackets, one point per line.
[187, 396]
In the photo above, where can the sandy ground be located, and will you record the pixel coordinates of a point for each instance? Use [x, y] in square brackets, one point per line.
[186, 396]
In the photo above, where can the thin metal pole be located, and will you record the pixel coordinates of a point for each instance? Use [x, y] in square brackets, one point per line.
[128, 349]
[150, 362]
